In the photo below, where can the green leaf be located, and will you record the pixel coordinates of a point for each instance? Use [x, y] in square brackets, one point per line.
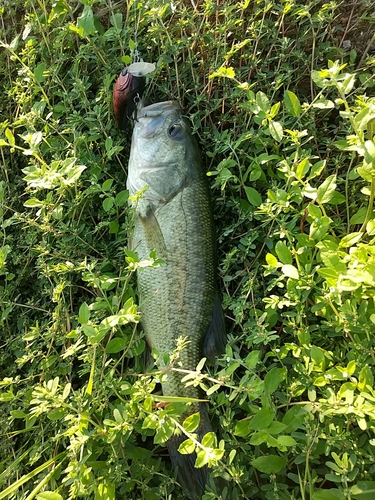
[105, 491]
[242, 428]
[74, 174]
[359, 216]
[113, 227]
[39, 72]
[84, 314]
[347, 84]
[164, 432]
[370, 227]
[331, 494]
[66, 391]
[56, 414]
[323, 104]
[213, 389]
[116, 20]
[209, 440]
[369, 151]
[317, 355]
[202, 459]
[59, 8]
[18, 414]
[261, 437]
[85, 22]
[223, 72]
[191, 423]
[363, 117]
[276, 131]
[122, 198]
[314, 211]
[108, 145]
[116, 345]
[317, 169]
[363, 490]
[302, 168]
[290, 271]
[263, 101]
[108, 204]
[283, 252]
[253, 196]
[271, 260]
[326, 190]
[286, 441]
[366, 378]
[261, 420]
[328, 273]
[187, 447]
[7, 396]
[200, 365]
[337, 198]
[90, 331]
[273, 378]
[34, 139]
[276, 427]
[319, 228]
[33, 202]
[252, 359]
[49, 495]
[292, 103]
[107, 184]
[274, 110]
[132, 45]
[9, 135]
[269, 464]
[117, 416]
[350, 239]
[310, 192]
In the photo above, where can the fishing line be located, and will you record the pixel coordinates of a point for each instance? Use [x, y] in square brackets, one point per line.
[138, 67]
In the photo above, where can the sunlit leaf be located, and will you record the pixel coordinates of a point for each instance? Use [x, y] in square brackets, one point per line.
[326, 189]
[292, 103]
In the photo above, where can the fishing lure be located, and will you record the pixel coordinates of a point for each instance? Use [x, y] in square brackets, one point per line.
[128, 91]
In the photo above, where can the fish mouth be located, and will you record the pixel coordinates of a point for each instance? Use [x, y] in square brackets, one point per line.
[158, 109]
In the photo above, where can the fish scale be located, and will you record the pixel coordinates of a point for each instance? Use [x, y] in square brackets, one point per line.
[179, 298]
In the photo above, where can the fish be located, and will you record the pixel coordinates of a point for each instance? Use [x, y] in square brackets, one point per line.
[180, 298]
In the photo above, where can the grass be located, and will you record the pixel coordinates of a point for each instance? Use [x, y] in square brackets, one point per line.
[281, 98]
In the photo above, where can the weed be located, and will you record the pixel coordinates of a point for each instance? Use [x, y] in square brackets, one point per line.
[284, 111]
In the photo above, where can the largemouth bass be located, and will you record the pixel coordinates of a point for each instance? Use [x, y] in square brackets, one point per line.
[179, 298]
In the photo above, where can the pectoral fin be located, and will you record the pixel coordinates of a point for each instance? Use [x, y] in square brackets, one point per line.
[153, 234]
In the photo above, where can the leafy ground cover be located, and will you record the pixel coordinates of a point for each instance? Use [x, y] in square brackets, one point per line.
[281, 97]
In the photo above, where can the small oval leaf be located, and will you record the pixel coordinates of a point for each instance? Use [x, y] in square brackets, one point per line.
[290, 271]
[115, 345]
[269, 464]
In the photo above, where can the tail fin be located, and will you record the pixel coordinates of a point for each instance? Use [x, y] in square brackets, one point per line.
[215, 339]
[192, 480]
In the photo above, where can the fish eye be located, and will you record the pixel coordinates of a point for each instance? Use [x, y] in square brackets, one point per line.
[175, 130]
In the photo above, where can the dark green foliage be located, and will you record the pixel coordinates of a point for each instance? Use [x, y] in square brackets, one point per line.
[281, 97]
